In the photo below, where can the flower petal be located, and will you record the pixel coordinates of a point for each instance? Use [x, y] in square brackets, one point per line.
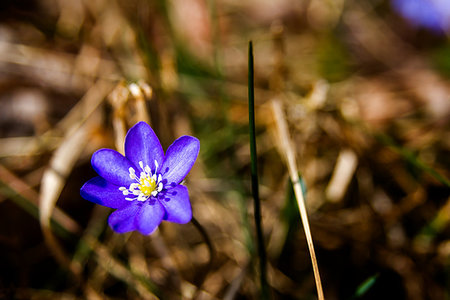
[112, 166]
[142, 144]
[150, 216]
[179, 159]
[123, 220]
[177, 205]
[99, 191]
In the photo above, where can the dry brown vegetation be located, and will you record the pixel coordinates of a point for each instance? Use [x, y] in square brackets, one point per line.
[366, 100]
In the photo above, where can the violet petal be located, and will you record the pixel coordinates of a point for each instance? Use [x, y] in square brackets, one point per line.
[100, 191]
[434, 15]
[177, 205]
[179, 159]
[142, 144]
[123, 220]
[149, 217]
[112, 166]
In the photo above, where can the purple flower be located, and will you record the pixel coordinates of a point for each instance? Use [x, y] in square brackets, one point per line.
[431, 14]
[144, 185]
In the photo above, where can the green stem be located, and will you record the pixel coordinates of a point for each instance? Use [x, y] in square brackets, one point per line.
[254, 173]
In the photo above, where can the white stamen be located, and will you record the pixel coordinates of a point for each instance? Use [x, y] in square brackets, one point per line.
[132, 173]
[140, 188]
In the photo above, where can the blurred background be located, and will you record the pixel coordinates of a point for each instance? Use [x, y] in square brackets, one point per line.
[364, 87]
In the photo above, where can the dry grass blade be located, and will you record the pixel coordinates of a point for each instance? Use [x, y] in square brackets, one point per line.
[166, 260]
[288, 152]
[235, 285]
[141, 91]
[26, 146]
[363, 98]
[62, 162]
[86, 106]
[116, 268]
[342, 175]
[52, 184]
[118, 100]
[29, 194]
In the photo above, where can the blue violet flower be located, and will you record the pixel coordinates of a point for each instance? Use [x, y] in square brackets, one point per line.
[144, 185]
[431, 14]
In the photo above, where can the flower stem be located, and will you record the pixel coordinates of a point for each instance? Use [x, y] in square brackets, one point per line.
[212, 254]
[254, 177]
[204, 234]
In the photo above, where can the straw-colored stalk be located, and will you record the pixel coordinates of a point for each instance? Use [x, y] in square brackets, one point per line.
[287, 148]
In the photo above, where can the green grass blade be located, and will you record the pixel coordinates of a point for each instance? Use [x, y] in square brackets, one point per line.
[254, 177]
[412, 159]
[365, 286]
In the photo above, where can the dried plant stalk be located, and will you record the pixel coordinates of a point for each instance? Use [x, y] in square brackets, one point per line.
[53, 182]
[20, 187]
[78, 125]
[116, 268]
[141, 91]
[342, 175]
[288, 151]
[118, 99]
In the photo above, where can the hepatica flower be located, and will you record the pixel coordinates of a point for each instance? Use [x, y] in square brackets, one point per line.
[431, 14]
[144, 185]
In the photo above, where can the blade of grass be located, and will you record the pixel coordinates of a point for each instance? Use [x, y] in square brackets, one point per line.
[365, 286]
[411, 158]
[288, 151]
[254, 177]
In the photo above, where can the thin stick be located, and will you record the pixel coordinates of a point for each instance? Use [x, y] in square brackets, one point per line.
[254, 172]
[286, 146]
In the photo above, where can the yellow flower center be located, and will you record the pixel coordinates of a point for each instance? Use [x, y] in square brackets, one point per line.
[147, 185]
